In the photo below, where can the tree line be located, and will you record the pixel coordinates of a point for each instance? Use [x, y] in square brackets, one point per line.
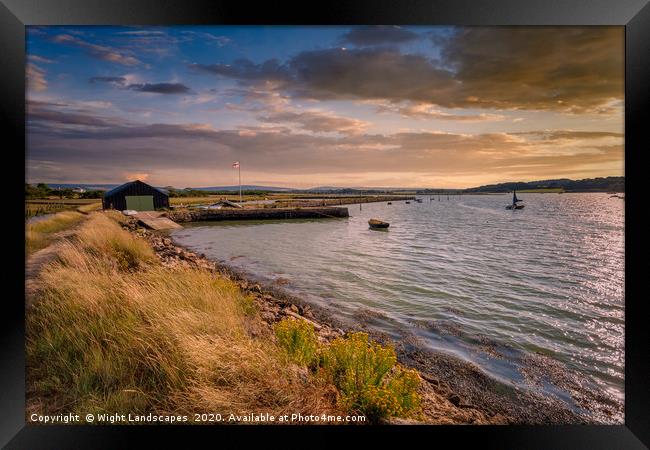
[600, 184]
[42, 190]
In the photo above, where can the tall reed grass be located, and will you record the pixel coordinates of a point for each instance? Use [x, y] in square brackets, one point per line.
[112, 330]
[40, 234]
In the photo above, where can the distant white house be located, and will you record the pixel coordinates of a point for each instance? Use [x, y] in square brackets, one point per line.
[79, 190]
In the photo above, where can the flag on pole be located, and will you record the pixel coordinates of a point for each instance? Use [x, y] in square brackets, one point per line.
[235, 165]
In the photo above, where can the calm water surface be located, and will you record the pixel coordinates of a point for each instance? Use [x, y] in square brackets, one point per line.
[458, 273]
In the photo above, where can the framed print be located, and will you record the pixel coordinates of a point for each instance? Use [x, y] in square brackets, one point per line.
[389, 216]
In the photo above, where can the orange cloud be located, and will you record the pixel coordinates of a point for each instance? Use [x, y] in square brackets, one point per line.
[36, 77]
[136, 176]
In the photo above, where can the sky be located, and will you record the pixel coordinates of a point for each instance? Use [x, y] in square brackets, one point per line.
[360, 106]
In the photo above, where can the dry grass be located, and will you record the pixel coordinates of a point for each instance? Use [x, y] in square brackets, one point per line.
[45, 206]
[192, 200]
[177, 201]
[90, 207]
[39, 209]
[63, 201]
[115, 331]
[40, 234]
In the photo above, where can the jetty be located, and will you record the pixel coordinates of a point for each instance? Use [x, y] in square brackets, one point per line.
[308, 201]
[201, 215]
[155, 220]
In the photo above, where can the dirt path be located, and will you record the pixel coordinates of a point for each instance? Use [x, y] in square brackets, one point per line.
[37, 260]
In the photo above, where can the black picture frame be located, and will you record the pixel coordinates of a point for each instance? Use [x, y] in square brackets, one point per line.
[634, 15]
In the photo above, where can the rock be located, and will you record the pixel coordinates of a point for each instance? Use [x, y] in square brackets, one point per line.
[434, 381]
[454, 399]
[400, 421]
[316, 326]
[294, 308]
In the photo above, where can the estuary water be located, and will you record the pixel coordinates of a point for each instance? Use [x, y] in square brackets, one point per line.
[464, 275]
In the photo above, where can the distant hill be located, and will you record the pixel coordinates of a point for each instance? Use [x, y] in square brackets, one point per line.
[357, 190]
[106, 187]
[244, 187]
[607, 184]
[339, 190]
[88, 187]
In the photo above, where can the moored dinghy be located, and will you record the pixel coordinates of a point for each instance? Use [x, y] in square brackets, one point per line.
[376, 223]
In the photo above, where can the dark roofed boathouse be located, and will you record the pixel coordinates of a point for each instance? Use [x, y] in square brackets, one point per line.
[135, 195]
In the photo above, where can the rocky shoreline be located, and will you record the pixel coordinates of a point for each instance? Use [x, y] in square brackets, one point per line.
[453, 391]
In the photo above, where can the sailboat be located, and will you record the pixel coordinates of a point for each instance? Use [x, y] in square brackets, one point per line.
[515, 200]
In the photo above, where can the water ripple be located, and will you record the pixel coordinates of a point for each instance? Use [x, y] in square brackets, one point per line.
[547, 279]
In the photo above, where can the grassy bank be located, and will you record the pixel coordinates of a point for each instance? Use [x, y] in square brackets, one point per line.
[50, 206]
[40, 234]
[113, 330]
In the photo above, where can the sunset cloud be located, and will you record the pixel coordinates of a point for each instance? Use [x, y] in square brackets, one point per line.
[306, 106]
[317, 121]
[291, 153]
[553, 68]
[556, 68]
[132, 176]
[39, 59]
[426, 111]
[156, 88]
[102, 52]
[35, 77]
[160, 88]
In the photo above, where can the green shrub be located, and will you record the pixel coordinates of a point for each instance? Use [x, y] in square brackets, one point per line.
[365, 373]
[298, 338]
[369, 378]
[248, 306]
